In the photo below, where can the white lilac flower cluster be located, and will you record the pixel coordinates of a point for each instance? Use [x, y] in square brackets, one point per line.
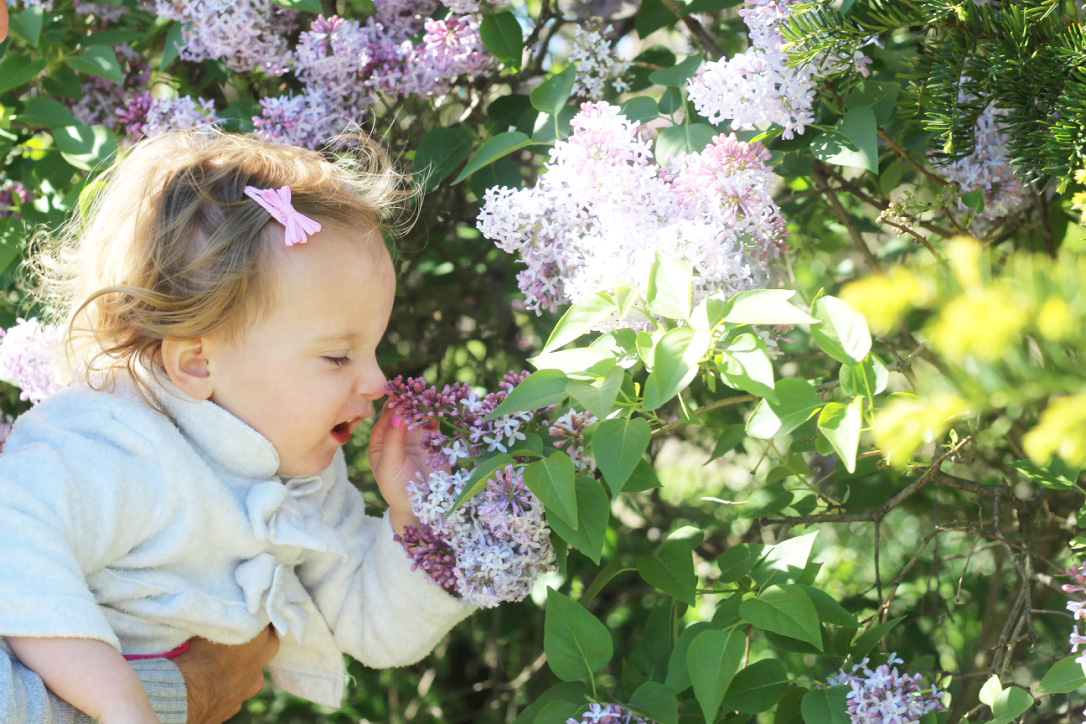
[757, 85]
[597, 66]
[989, 169]
[493, 547]
[30, 359]
[1077, 609]
[884, 694]
[604, 208]
[608, 714]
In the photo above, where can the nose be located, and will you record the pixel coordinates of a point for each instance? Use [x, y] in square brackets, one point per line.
[371, 382]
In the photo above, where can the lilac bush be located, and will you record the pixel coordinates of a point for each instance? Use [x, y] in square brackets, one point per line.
[884, 694]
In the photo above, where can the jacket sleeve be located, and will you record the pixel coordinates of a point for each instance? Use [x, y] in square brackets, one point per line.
[24, 698]
[74, 495]
[379, 610]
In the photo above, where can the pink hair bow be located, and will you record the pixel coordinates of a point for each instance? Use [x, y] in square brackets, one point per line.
[277, 203]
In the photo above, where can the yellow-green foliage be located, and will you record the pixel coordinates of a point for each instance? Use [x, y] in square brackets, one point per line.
[1004, 335]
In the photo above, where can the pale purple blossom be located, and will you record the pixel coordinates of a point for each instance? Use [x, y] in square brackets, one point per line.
[100, 99]
[1077, 609]
[568, 433]
[597, 65]
[246, 34]
[31, 355]
[989, 168]
[405, 17]
[603, 209]
[107, 13]
[177, 114]
[450, 47]
[465, 7]
[608, 714]
[305, 120]
[884, 694]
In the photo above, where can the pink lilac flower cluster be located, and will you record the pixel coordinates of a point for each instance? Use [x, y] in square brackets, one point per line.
[603, 209]
[13, 195]
[30, 357]
[884, 694]
[597, 66]
[608, 714]
[493, 547]
[100, 98]
[989, 169]
[450, 48]
[1077, 609]
[757, 85]
[404, 16]
[246, 34]
[146, 116]
[307, 120]
[107, 13]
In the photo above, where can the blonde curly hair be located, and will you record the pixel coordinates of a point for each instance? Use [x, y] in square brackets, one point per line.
[170, 247]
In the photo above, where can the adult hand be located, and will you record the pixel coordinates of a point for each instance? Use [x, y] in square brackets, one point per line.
[220, 678]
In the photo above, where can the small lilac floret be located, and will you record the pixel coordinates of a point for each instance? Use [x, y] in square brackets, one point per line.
[608, 714]
[30, 359]
[884, 694]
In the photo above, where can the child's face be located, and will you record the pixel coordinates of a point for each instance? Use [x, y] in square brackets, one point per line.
[305, 374]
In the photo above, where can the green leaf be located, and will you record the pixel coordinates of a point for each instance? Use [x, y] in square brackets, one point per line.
[675, 140]
[974, 200]
[868, 639]
[829, 610]
[440, 151]
[97, 60]
[641, 109]
[869, 378]
[1064, 677]
[712, 660]
[551, 95]
[1006, 704]
[826, 706]
[880, 96]
[678, 676]
[593, 513]
[765, 306]
[17, 70]
[598, 397]
[567, 693]
[479, 476]
[677, 75]
[852, 142]
[739, 560]
[572, 361]
[539, 389]
[784, 561]
[1056, 475]
[643, 477]
[548, 129]
[785, 610]
[309, 6]
[671, 285]
[796, 401]
[552, 481]
[657, 702]
[841, 426]
[746, 366]
[583, 315]
[843, 333]
[671, 569]
[577, 643]
[675, 364]
[85, 146]
[492, 149]
[618, 445]
[503, 38]
[171, 50]
[46, 112]
[27, 24]
[757, 687]
[651, 16]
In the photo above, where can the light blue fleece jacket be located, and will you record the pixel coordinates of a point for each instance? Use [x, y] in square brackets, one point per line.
[121, 524]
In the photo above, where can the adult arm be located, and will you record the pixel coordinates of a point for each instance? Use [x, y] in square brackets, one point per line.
[205, 685]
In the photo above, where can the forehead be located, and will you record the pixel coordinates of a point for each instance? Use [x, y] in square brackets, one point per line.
[338, 274]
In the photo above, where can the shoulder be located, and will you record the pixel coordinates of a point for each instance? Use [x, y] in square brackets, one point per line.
[79, 413]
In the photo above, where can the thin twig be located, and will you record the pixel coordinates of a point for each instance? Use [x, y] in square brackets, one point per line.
[910, 160]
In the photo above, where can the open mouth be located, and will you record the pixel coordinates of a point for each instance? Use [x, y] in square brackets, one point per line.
[342, 432]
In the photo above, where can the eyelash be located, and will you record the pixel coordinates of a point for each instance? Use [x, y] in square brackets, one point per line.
[339, 361]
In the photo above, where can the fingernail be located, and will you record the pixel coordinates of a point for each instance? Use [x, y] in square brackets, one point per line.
[396, 421]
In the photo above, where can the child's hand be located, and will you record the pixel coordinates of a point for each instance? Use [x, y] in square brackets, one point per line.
[396, 458]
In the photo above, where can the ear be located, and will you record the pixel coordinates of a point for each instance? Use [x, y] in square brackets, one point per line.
[186, 365]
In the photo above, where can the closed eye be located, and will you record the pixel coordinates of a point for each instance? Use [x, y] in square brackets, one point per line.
[338, 361]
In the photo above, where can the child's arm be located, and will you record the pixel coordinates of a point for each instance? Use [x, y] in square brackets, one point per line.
[90, 675]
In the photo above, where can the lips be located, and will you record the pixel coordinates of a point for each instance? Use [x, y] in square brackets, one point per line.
[342, 432]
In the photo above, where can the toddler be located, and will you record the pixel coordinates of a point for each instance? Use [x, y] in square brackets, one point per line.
[222, 302]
